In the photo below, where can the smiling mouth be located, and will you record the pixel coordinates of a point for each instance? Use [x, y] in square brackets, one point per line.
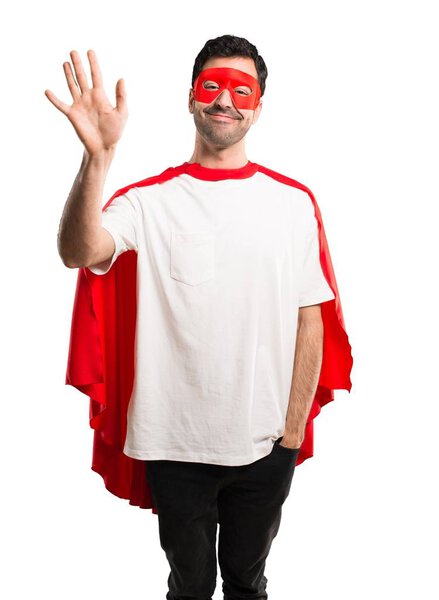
[223, 117]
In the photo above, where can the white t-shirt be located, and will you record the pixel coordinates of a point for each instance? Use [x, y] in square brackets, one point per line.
[225, 257]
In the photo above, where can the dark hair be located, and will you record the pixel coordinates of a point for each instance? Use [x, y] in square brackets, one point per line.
[230, 45]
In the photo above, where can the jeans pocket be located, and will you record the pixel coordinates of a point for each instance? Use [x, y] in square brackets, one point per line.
[285, 448]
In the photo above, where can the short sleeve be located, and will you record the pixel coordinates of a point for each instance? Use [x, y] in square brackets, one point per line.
[314, 288]
[121, 220]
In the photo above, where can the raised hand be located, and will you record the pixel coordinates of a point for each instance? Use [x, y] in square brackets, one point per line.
[98, 124]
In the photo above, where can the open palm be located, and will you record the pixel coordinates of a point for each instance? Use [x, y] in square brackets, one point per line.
[98, 124]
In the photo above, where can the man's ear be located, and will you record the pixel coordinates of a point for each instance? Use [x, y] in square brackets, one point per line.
[257, 112]
[191, 100]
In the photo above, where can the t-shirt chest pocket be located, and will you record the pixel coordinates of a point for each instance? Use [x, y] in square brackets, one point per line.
[192, 256]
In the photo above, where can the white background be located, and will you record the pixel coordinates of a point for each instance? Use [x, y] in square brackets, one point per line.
[350, 110]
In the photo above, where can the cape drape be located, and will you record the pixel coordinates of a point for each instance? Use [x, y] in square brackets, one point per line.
[101, 356]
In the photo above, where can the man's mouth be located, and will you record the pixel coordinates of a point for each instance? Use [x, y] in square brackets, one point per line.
[222, 116]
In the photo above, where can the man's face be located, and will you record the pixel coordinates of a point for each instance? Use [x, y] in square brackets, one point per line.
[221, 122]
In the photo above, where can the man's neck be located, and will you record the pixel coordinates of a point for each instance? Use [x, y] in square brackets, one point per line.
[223, 158]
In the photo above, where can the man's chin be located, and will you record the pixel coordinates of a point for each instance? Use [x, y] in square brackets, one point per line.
[224, 140]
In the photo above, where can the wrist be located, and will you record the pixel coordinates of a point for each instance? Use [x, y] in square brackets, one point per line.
[294, 440]
[99, 161]
[102, 155]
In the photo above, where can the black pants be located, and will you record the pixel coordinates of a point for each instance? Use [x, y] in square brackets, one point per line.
[246, 500]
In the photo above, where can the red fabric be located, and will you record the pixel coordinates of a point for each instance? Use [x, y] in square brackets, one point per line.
[229, 79]
[101, 354]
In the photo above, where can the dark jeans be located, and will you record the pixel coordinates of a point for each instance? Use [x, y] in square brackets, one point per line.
[246, 500]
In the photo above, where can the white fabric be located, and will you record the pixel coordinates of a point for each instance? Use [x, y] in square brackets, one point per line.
[223, 267]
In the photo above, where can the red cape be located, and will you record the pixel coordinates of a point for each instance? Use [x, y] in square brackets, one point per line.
[101, 355]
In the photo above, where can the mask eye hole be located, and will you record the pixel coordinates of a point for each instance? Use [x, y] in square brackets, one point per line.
[243, 90]
[210, 85]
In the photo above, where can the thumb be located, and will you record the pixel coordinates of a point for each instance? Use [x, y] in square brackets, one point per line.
[121, 97]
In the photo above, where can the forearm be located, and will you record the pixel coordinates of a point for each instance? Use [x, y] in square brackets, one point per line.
[306, 372]
[81, 218]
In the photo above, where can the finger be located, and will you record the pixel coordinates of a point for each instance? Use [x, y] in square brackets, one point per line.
[79, 71]
[96, 75]
[64, 108]
[121, 97]
[71, 81]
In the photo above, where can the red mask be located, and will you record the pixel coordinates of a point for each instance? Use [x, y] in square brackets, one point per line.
[229, 79]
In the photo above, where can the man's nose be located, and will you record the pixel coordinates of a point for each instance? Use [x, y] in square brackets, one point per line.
[225, 99]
